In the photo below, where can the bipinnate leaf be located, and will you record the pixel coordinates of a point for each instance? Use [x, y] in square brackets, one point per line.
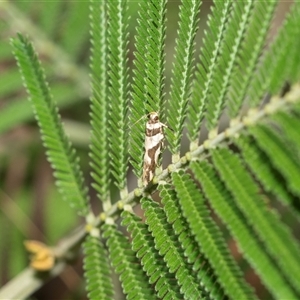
[277, 149]
[235, 32]
[278, 62]
[97, 269]
[134, 280]
[60, 152]
[250, 53]
[221, 200]
[207, 69]
[182, 71]
[99, 100]
[118, 90]
[192, 252]
[273, 232]
[261, 167]
[209, 238]
[169, 247]
[152, 262]
[138, 94]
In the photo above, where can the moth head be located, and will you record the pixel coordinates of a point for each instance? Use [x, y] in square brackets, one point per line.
[153, 117]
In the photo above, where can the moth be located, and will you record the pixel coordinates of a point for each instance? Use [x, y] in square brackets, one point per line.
[154, 137]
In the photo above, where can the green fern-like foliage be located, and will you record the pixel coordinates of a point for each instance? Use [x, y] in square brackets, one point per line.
[231, 47]
[168, 247]
[125, 262]
[227, 209]
[182, 72]
[60, 153]
[99, 102]
[192, 252]
[288, 165]
[263, 170]
[205, 71]
[138, 94]
[209, 239]
[118, 96]
[155, 55]
[150, 258]
[273, 233]
[98, 273]
[237, 188]
[277, 62]
[249, 55]
[148, 87]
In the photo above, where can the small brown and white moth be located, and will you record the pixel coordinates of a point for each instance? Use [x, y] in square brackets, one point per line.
[154, 137]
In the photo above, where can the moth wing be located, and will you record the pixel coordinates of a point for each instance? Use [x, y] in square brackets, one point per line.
[153, 141]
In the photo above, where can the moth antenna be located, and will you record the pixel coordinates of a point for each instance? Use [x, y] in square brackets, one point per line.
[164, 125]
[138, 121]
[141, 118]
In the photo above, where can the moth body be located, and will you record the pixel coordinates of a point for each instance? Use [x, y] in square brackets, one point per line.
[154, 137]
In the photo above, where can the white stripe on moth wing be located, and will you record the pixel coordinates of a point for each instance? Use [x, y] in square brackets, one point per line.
[155, 125]
[152, 141]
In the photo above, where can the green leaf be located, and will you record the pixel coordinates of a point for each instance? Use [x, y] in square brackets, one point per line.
[248, 59]
[289, 125]
[276, 148]
[97, 269]
[222, 202]
[57, 63]
[294, 59]
[60, 153]
[276, 63]
[169, 247]
[274, 234]
[206, 71]
[262, 169]
[99, 101]
[282, 60]
[134, 280]
[18, 111]
[155, 56]
[182, 71]
[231, 47]
[153, 264]
[209, 238]
[192, 252]
[118, 92]
[176, 250]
